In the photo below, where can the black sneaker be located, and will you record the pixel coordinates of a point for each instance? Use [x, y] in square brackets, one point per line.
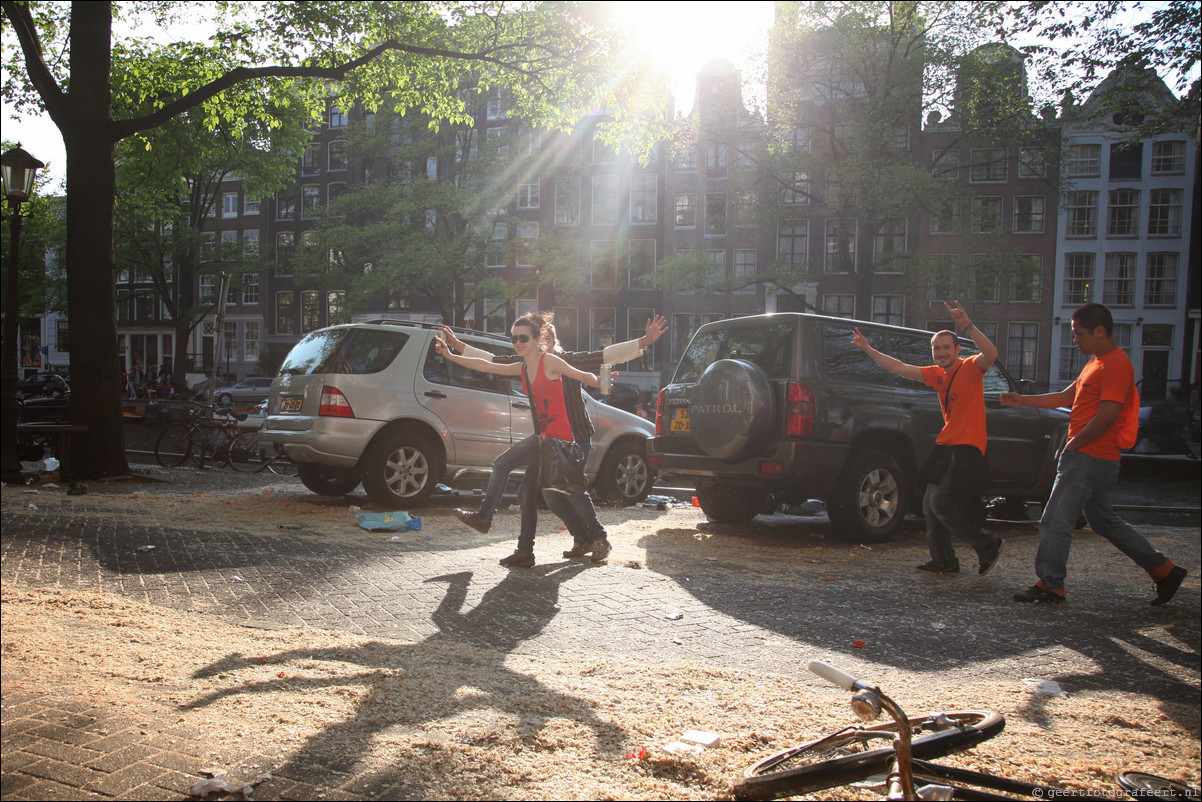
[1037, 594]
[1167, 585]
[987, 560]
[933, 567]
[519, 559]
[475, 520]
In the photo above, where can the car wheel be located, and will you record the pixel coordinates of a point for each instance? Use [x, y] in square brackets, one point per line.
[400, 467]
[625, 477]
[725, 504]
[225, 399]
[326, 480]
[731, 409]
[870, 498]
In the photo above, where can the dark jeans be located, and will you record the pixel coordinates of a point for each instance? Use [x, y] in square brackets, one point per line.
[948, 507]
[576, 512]
[516, 456]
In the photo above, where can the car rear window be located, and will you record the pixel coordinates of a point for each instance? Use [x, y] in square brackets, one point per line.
[350, 350]
[767, 344]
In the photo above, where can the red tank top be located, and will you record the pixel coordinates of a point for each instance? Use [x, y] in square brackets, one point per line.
[549, 405]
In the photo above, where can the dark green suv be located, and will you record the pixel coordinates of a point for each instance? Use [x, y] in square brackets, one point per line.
[774, 409]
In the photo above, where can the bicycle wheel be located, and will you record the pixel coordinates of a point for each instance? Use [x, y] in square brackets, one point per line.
[967, 784]
[246, 453]
[174, 444]
[1139, 785]
[856, 753]
[279, 463]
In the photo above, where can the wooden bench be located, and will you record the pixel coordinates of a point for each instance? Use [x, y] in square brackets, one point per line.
[59, 435]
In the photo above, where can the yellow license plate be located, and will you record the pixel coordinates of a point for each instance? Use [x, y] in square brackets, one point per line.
[680, 420]
[290, 405]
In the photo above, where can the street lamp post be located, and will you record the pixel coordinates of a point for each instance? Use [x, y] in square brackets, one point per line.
[18, 169]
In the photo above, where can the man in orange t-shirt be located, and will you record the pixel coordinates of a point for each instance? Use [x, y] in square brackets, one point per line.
[1104, 419]
[956, 470]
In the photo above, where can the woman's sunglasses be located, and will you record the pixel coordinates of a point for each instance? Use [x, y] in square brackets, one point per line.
[520, 338]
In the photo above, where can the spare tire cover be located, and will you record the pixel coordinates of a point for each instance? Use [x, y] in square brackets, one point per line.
[731, 409]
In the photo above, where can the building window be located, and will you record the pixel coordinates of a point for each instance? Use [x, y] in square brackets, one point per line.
[1118, 287]
[685, 211]
[62, 335]
[496, 249]
[1078, 278]
[945, 165]
[1032, 163]
[840, 246]
[1084, 161]
[1168, 158]
[1071, 358]
[839, 304]
[285, 313]
[334, 191]
[744, 270]
[1126, 160]
[1028, 214]
[567, 201]
[685, 161]
[250, 340]
[715, 213]
[717, 271]
[1081, 214]
[310, 311]
[496, 108]
[250, 206]
[208, 288]
[527, 239]
[431, 168]
[1160, 288]
[890, 309]
[644, 198]
[566, 327]
[986, 215]
[988, 165]
[1026, 278]
[901, 139]
[338, 117]
[744, 207]
[229, 244]
[889, 247]
[947, 219]
[336, 307]
[229, 205]
[311, 159]
[640, 263]
[792, 245]
[985, 279]
[310, 200]
[530, 192]
[250, 243]
[605, 200]
[285, 206]
[250, 288]
[745, 155]
[1022, 350]
[339, 159]
[1122, 215]
[601, 328]
[602, 153]
[604, 264]
[285, 246]
[716, 160]
[1164, 213]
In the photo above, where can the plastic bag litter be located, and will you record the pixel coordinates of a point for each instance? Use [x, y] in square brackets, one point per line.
[220, 785]
[388, 521]
[1045, 686]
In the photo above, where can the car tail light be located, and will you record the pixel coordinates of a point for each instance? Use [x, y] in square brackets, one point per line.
[334, 404]
[659, 412]
[799, 411]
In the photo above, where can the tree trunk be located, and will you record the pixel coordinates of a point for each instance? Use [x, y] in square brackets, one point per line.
[91, 287]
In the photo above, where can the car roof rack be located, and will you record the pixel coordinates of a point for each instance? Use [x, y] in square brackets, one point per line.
[421, 324]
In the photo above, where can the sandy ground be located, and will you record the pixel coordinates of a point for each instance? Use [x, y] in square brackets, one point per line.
[460, 722]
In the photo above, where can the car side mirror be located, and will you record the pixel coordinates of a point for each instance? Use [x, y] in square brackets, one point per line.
[1026, 387]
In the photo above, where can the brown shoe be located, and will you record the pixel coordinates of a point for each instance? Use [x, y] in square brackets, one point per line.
[578, 550]
[600, 549]
[475, 520]
[519, 559]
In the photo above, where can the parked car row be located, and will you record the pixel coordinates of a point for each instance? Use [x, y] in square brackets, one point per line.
[43, 385]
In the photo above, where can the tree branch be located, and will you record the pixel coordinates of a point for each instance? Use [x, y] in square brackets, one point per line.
[124, 128]
[39, 74]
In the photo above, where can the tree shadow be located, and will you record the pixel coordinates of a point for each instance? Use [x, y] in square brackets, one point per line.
[409, 687]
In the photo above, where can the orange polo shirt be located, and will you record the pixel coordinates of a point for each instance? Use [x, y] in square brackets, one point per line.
[963, 407]
[1106, 378]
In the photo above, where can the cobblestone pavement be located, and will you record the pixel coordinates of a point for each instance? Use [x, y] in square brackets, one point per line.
[758, 598]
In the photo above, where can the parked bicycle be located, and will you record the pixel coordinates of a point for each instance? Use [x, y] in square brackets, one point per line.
[255, 456]
[211, 434]
[899, 754]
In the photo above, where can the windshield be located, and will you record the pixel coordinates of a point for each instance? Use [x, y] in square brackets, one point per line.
[766, 342]
[344, 350]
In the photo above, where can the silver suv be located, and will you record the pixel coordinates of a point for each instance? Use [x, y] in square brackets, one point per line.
[373, 403]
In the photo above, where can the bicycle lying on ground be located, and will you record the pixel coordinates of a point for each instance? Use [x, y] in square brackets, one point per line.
[899, 754]
[210, 433]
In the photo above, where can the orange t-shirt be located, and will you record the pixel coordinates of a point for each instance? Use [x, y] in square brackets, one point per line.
[964, 407]
[1106, 378]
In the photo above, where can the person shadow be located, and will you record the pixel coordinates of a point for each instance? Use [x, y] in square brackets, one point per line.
[413, 690]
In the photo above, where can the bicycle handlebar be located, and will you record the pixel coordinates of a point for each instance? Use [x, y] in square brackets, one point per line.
[227, 412]
[834, 675]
